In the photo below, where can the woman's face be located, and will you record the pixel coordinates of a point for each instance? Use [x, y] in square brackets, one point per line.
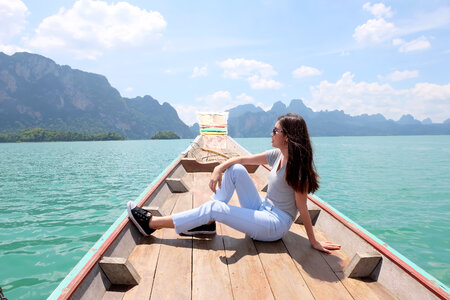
[278, 137]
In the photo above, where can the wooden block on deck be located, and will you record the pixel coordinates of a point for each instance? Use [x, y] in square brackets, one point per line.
[359, 289]
[177, 185]
[313, 214]
[362, 265]
[165, 208]
[318, 275]
[154, 210]
[192, 165]
[119, 271]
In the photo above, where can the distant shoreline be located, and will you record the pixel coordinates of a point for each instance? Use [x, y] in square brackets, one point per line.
[36, 135]
[3, 141]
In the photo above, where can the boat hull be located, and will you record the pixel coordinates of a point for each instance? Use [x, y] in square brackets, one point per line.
[395, 274]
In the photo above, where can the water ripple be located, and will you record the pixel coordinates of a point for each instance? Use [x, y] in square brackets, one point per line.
[57, 199]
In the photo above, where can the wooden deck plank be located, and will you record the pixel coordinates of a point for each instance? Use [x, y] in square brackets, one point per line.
[210, 277]
[320, 278]
[145, 258]
[248, 278]
[285, 280]
[173, 272]
[358, 288]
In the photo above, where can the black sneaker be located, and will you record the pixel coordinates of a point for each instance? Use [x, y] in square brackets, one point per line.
[140, 218]
[203, 229]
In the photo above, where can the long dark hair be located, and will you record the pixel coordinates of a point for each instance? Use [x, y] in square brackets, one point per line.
[301, 172]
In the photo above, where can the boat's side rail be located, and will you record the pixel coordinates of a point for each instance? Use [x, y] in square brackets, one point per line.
[399, 275]
[86, 280]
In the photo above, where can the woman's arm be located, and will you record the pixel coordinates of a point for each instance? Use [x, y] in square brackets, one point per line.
[216, 176]
[300, 201]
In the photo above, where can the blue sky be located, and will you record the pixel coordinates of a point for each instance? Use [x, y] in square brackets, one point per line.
[390, 57]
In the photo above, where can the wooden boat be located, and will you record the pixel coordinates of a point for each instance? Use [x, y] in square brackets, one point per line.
[125, 265]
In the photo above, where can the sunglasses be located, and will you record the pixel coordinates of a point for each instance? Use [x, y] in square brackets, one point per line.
[275, 130]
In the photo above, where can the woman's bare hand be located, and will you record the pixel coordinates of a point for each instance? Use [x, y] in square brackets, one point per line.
[325, 246]
[216, 180]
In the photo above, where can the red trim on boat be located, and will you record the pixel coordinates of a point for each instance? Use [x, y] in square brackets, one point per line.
[75, 283]
[430, 285]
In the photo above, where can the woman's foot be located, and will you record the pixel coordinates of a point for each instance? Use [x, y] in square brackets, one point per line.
[140, 218]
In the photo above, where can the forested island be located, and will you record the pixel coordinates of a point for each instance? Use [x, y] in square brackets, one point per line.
[44, 135]
[165, 135]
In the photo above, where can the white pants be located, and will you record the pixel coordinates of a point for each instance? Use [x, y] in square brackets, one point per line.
[256, 217]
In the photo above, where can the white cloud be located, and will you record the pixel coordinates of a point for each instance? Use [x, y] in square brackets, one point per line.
[187, 113]
[260, 83]
[421, 43]
[440, 18]
[11, 49]
[400, 75]
[374, 31]
[305, 71]
[245, 99]
[219, 101]
[433, 93]
[13, 14]
[258, 74]
[90, 28]
[200, 72]
[218, 98]
[355, 98]
[378, 30]
[379, 10]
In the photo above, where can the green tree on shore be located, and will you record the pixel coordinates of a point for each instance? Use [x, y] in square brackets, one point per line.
[165, 135]
[44, 135]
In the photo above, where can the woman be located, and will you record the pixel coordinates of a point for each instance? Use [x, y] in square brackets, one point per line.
[292, 177]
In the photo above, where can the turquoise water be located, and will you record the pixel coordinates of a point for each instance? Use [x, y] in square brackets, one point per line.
[56, 199]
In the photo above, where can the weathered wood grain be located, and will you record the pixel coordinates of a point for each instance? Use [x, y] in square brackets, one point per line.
[210, 277]
[173, 272]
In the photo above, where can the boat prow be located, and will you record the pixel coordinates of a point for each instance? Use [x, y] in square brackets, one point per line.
[125, 265]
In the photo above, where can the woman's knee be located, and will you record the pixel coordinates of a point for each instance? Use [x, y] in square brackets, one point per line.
[212, 206]
[238, 170]
[218, 210]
